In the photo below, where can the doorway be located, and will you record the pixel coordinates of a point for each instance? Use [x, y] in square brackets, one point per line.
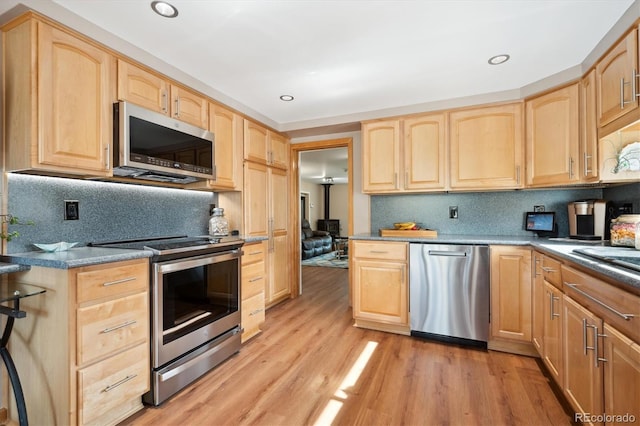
[296, 149]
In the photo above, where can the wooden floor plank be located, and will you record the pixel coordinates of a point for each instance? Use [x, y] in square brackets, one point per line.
[295, 371]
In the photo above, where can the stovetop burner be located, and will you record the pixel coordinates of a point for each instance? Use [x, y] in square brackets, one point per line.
[174, 244]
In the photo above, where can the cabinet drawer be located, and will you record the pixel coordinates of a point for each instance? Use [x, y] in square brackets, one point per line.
[253, 253]
[107, 327]
[380, 250]
[252, 313]
[253, 280]
[551, 271]
[111, 383]
[111, 280]
[614, 305]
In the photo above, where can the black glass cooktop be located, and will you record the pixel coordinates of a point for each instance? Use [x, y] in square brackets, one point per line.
[619, 256]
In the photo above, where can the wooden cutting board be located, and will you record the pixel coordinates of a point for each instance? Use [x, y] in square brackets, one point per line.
[409, 233]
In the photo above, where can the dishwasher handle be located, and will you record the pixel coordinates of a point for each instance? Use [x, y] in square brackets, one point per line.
[447, 253]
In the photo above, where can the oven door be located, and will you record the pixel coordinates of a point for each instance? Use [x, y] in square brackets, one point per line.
[195, 300]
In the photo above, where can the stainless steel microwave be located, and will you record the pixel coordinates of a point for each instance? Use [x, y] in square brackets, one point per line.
[152, 146]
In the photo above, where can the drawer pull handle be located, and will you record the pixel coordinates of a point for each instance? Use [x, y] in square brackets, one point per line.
[255, 279]
[121, 382]
[626, 317]
[547, 269]
[124, 280]
[256, 312]
[117, 327]
[255, 252]
[379, 251]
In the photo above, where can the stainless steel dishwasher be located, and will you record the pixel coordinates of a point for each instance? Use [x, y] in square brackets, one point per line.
[449, 292]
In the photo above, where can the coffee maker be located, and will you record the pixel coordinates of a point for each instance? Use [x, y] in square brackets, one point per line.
[588, 220]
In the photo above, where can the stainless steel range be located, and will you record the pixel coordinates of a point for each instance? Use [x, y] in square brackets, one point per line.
[195, 307]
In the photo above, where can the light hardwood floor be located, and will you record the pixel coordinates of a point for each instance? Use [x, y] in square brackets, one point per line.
[304, 369]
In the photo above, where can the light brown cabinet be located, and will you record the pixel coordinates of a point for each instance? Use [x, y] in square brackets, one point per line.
[264, 146]
[621, 373]
[510, 294]
[553, 138]
[615, 73]
[552, 337]
[227, 126]
[380, 285]
[89, 336]
[588, 129]
[537, 303]
[406, 155]
[159, 94]
[266, 215]
[487, 147]
[59, 91]
[254, 278]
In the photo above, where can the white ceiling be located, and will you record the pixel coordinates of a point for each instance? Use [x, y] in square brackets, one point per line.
[348, 60]
[315, 166]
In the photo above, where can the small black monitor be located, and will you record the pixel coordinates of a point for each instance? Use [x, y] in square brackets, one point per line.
[540, 221]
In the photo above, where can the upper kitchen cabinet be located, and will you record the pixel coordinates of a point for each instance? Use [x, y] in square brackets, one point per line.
[487, 147]
[553, 138]
[156, 93]
[404, 155]
[58, 93]
[588, 129]
[616, 79]
[265, 147]
[227, 127]
[619, 154]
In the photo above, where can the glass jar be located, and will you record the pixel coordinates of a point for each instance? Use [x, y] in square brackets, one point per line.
[218, 224]
[624, 230]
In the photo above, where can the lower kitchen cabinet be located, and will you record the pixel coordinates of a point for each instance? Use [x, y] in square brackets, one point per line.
[381, 296]
[621, 373]
[84, 343]
[537, 303]
[511, 299]
[252, 289]
[583, 370]
[552, 338]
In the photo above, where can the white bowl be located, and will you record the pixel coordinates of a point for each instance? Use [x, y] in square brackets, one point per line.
[50, 248]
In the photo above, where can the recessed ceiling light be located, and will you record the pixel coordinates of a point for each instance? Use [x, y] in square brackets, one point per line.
[286, 98]
[499, 59]
[163, 8]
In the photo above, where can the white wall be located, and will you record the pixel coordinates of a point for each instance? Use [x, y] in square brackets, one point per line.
[316, 201]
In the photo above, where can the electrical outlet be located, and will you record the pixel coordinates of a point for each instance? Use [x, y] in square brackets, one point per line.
[71, 210]
[453, 212]
[538, 208]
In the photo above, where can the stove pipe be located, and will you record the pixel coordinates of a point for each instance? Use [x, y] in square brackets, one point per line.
[327, 187]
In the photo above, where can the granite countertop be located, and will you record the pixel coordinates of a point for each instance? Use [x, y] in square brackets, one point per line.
[560, 247]
[72, 258]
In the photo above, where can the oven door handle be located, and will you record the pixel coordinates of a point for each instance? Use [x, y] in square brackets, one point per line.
[194, 262]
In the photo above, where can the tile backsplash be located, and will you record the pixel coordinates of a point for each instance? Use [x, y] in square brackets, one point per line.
[107, 210]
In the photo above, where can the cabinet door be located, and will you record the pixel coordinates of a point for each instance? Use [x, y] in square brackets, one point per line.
[553, 138]
[487, 146]
[424, 153]
[279, 285]
[142, 88]
[621, 374]
[583, 379]
[256, 206]
[278, 151]
[381, 156]
[255, 142]
[553, 333]
[537, 304]
[588, 129]
[227, 128]
[75, 91]
[612, 71]
[381, 291]
[189, 107]
[511, 293]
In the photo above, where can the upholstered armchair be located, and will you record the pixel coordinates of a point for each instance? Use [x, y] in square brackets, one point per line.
[314, 243]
